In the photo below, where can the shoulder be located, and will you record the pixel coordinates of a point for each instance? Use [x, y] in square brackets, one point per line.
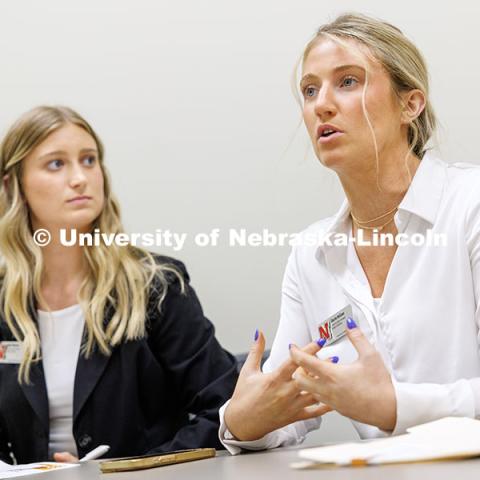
[173, 305]
[172, 267]
[462, 191]
[460, 205]
[465, 167]
[170, 286]
[462, 174]
[453, 184]
[170, 278]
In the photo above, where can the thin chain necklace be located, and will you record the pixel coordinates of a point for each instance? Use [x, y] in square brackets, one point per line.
[379, 227]
[363, 223]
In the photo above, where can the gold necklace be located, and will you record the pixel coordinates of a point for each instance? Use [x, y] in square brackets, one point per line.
[379, 227]
[359, 222]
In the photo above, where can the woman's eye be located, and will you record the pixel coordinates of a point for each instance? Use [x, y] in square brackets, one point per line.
[89, 161]
[54, 164]
[309, 91]
[349, 81]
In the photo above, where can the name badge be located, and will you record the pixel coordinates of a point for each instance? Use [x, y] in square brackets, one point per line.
[335, 327]
[11, 352]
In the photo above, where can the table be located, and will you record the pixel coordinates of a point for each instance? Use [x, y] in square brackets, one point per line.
[273, 464]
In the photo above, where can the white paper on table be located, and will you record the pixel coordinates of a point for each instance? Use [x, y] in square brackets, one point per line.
[14, 471]
[450, 437]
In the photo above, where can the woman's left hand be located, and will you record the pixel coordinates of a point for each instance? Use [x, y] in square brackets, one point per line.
[65, 457]
[362, 390]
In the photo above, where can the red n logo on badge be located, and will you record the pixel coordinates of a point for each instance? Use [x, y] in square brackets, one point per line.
[324, 332]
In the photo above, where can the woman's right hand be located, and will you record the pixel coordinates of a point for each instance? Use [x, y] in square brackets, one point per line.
[264, 402]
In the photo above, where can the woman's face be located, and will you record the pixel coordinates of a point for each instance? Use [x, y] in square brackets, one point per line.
[62, 180]
[332, 84]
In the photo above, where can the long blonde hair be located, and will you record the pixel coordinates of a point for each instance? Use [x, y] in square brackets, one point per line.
[117, 277]
[400, 58]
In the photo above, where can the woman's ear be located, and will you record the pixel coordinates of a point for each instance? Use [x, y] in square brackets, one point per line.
[413, 104]
[6, 181]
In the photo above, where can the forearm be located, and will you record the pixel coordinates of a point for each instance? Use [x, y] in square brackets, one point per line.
[201, 432]
[424, 402]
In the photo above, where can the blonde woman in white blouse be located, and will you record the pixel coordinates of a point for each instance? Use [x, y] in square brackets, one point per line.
[410, 353]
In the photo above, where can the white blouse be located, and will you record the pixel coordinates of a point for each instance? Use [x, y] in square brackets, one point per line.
[426, 324]
[61, 336]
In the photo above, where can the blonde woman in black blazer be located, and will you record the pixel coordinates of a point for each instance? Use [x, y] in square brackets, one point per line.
[149, 375]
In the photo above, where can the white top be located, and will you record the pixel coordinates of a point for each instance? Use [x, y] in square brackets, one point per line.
[426, 325]
[61, 336]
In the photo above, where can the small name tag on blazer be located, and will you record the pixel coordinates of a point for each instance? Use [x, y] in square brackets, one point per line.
[11, 352]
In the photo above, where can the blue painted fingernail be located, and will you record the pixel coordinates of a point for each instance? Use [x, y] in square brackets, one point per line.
[350, 323]
[334, 359]
[289, 346]
[321, 342]
[256, 335]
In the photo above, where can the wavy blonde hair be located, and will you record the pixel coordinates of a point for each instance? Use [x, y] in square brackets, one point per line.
[117, 277]
[400, 58]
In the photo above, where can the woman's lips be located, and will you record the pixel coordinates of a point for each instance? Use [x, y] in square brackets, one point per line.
[79, 200]
[330, 138]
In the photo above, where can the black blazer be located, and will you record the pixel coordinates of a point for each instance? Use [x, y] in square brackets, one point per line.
[156, 394]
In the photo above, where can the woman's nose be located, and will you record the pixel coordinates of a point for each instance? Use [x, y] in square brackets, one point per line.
[324, 103]
[78, 177]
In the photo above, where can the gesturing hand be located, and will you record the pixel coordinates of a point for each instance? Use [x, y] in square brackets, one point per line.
[362, 390]
[263, 402]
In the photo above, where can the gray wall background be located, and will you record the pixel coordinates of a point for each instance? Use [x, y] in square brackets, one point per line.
[193, 102]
